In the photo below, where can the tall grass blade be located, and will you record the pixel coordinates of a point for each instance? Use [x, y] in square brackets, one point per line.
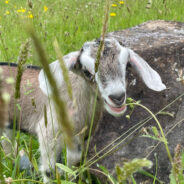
[161, 130]
[30, 150]
[24, 52]
[3, 108]
[22, 58]
[156, 168]
[1, 167]
[63, 67]
[45, 115]
[65, 160]
[58, 176]
[143, 172]
[91, 126]
[60, 105]
[66, 169]
[4, 48]
[104, 30]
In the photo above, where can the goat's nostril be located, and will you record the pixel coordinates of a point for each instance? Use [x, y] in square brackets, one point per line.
[118, 98]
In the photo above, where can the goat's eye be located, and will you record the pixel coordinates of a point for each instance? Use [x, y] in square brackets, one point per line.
[87, 74]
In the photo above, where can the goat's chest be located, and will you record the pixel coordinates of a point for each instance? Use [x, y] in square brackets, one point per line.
[86, 114]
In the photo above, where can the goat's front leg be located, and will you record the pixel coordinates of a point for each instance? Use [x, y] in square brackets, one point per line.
[51, 144]
[75, 152]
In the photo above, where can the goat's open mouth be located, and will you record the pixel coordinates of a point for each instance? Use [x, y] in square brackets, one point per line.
[119, 109]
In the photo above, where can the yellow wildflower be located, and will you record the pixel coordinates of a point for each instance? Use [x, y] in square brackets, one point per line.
[114, 5]
[112, 14]
[6, 1]
[45, 8]
[30, 16]
[7, 12]
[121, 2]
[22, 10]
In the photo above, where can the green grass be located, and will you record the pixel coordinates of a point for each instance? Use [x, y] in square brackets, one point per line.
[71, 22]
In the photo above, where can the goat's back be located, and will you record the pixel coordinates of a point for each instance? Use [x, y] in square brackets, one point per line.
[28, 107]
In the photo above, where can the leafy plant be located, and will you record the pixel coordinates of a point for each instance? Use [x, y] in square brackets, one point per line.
[126, 172]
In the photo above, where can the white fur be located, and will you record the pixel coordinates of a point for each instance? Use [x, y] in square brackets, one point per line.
[58, 76]
[87, 61]
[113, 87]
[123, 58]
[57, 73]
[150, 77]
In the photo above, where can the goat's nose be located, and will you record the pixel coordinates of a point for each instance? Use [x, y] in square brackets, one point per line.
[118, 99]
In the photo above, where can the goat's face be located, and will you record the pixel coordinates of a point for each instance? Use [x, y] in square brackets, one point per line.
[111, 73]
[110, 76]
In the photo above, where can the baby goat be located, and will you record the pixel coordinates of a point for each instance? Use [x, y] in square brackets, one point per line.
[111, 83]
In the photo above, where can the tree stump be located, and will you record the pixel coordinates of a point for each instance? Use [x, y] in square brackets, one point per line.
[161, 44]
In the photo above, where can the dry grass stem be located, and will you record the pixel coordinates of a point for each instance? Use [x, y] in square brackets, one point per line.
[177, 163]
[60, 105]
[24, 52]
[45, 115]
[104, 30]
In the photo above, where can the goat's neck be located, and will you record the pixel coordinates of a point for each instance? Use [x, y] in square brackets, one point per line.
[87, 92]
[85, 101]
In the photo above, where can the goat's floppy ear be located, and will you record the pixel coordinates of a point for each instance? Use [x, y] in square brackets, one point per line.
[70, 61]
[150, 77]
